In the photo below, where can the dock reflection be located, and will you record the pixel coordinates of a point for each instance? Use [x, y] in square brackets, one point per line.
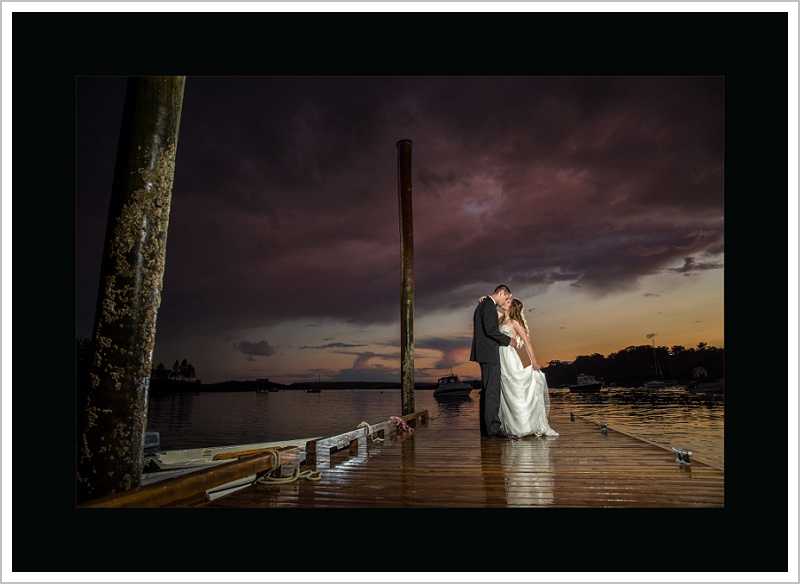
[526, 473]
[528, 468]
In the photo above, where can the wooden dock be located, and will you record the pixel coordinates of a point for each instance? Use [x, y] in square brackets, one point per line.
[416, 461]
[439, 466]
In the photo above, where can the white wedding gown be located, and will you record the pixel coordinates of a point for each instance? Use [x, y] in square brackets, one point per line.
[524, 401]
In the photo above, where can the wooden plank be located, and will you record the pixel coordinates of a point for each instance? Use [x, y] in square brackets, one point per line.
[318, 452]
[412, 419]
[383, 430]
[240, 453]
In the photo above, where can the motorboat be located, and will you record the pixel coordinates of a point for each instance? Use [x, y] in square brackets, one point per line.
[452, 386]
[587, 384]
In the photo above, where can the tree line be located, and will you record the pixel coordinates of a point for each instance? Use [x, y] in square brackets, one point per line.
[635, 365]
[181, 370]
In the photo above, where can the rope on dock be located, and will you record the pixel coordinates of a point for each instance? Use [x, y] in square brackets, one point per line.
[310, 475]
[369, 431]
[268, 479]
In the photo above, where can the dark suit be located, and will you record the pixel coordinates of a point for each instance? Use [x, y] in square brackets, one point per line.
[486, 341]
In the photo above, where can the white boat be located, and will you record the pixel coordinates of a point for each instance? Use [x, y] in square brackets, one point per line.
[587, 384]
[452, 386]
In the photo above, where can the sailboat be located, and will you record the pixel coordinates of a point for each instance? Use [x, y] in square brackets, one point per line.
[316, 389]
[655, 383]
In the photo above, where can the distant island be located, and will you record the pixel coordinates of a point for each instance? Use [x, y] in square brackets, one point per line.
[175, 386]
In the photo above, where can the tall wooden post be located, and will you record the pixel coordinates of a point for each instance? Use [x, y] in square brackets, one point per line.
[113, 404]
[407, 270]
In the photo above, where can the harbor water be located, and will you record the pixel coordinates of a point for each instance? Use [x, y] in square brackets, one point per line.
[668, 417]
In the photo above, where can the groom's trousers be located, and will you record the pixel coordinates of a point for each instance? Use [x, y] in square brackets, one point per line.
[490, 399]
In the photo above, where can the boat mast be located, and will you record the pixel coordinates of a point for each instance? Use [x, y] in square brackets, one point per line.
[659, 373]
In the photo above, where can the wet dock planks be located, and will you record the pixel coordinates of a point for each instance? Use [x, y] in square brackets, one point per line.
[440, 465]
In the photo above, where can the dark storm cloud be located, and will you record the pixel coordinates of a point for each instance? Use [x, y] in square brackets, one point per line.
[691, 266]
[332, 346]
[259, 349]
[287, 188]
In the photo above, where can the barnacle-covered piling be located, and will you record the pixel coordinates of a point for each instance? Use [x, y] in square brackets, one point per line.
[114, 399]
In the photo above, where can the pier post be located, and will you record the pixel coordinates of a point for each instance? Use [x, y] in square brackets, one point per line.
[112, 402]
[407, 272]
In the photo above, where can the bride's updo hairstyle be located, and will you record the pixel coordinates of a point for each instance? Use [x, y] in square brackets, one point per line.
[515, 311]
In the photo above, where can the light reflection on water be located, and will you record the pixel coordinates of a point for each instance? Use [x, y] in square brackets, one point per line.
[669, 417]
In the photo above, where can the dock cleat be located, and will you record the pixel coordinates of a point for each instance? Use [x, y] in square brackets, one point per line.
[682, 455]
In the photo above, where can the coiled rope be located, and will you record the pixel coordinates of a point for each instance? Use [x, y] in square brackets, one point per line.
[310, 475]
[369, 432]
[268, 479]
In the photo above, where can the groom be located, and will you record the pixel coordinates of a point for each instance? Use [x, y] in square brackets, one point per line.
[486, 341]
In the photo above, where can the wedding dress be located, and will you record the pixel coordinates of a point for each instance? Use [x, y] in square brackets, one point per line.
[524, 400]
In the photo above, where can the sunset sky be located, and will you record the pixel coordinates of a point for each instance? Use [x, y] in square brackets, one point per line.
[598, 200]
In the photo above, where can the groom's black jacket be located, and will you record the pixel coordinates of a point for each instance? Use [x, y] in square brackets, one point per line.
[486, 335]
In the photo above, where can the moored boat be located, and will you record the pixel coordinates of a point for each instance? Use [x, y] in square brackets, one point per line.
[587, 384]
[655, 384]
[716, 386]
[452, 386]
[659, 383]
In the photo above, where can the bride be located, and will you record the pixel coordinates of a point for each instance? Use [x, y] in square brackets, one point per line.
[524, 399]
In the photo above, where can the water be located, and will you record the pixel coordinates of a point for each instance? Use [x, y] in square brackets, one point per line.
[669, 417]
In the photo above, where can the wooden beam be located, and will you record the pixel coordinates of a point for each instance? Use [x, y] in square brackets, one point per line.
[318, 452]
[191, 486]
